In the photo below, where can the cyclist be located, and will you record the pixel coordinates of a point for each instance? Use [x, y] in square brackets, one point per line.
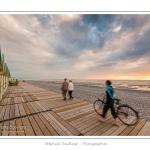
[109, 104]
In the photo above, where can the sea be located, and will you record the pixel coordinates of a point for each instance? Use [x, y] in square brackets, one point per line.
[121, 84]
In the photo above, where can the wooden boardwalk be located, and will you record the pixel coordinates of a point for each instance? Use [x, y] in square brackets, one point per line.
[27, 110]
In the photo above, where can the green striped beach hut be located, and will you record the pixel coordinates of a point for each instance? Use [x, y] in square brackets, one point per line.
[4, 76]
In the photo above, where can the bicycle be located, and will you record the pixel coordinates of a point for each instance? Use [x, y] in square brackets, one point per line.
[123, 111]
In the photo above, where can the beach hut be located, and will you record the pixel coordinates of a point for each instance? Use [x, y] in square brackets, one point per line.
[4, 76]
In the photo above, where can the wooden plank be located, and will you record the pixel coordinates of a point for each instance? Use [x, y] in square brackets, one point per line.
[95, 127]
[23, 94]
[70, 108]
[83, 120]
[49, 127]
[65, 124]
[22, 100]
[2, 102]
[20, 95]
[2, 113]
[12, 129]
[33, 98]
[43, 128]
[5, 95]
[114, 130]
[42, 97]
[75, 112]
[33, 106]
[121, 128]
[28, 99]
[77, 121]
[17, 112]
[28, 130]
[5, 131]
[37, 106]
[6, 117]
[8, 101]
[20, 128]
[12, 111]
[137, 128]
[54, 125]
[87, 123]
[79, 110]
[1, 128]
[1, 108]
[5, 101]
[42, 107]
[127, 130]
[11, 95]
[88, 129]
[21, 110]
[12, 101]
[148, 132]
[144, 130]
[19, 100]
[35, 127]
[15, 100]
[30, 108]
[17, 94]
[56, 104]
[64, 129]
[80, 116]
[27, 111]
[44, 93]
[104, 127]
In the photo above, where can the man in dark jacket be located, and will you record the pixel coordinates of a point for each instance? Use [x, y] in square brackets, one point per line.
[64, 88]
[109, 104]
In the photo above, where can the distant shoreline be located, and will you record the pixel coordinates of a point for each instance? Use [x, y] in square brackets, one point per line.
[100, 84]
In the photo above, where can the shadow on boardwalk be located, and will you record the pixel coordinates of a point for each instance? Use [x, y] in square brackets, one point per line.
[27, 110]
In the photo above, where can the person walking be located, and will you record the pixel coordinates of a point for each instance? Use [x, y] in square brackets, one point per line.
[70, 89]
[109, 104]
[64, 88]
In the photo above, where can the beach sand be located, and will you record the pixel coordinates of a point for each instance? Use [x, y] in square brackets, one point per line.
[139, 100]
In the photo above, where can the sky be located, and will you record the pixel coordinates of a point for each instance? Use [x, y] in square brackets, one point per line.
[76, 46]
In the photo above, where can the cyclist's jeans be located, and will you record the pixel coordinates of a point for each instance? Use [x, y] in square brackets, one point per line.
[106, 108]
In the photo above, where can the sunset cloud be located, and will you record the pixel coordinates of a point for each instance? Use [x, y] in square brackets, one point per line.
[45, 46]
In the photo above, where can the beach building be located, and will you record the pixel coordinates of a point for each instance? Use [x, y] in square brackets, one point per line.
[4, 76]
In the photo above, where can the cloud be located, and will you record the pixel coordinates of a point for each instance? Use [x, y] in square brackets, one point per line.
[58, 45]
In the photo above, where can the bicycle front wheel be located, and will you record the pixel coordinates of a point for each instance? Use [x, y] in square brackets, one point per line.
[127, 115]
[98, 105]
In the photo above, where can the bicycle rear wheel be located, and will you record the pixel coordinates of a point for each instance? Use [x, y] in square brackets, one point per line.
[127, 115]
[98, 105]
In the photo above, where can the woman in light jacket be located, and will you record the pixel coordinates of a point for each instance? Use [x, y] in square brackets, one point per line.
[70, 89]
